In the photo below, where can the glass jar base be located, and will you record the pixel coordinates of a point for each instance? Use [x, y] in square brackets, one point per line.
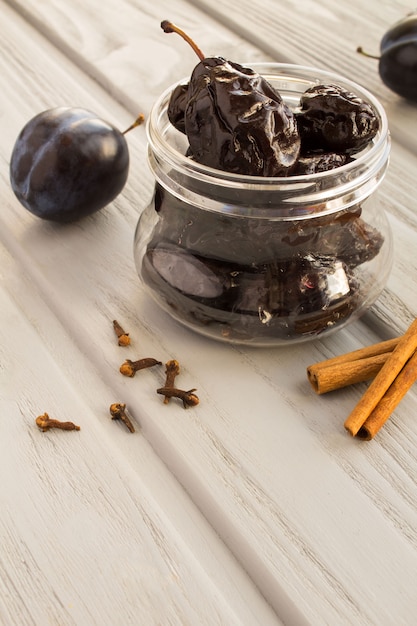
[229, 319]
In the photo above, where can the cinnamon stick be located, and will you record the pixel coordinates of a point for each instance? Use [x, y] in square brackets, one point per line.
[392, 367]
[390, 400]
[350, 368]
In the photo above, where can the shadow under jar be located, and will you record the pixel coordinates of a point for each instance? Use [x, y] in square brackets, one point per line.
[264, 261]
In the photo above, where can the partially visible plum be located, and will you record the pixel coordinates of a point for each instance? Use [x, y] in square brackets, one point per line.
[398, 57]
[68, 163]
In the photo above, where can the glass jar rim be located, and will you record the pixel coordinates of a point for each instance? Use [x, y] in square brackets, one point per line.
[311, 76]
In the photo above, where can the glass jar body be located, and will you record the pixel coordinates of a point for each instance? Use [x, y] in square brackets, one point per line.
[264, 261]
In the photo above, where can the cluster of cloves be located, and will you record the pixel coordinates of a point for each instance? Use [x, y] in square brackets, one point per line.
[118, 410]
[172, 369]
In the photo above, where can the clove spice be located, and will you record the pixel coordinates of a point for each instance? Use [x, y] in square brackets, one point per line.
[172, 369]
[118, 412]
[129, 368]
[188, 398]
[122, 335]
[45, 423]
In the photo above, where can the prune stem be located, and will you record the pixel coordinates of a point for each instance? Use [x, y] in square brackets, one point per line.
[366, 54]
[169, 27]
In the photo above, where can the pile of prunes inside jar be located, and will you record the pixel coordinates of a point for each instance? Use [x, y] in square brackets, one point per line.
[235, 121]
[251, 277]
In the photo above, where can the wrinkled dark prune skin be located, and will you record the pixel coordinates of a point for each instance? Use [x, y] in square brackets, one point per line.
[236, 122]
[333, 119]
[176, 107]
[315, 163]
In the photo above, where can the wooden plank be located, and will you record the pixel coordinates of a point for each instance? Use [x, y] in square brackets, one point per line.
[93, 527]
[123, 47]
[309, 513]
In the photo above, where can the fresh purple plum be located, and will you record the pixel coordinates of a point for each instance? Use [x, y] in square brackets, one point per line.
[68, 163]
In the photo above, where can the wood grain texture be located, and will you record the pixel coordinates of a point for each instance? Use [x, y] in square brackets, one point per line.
[254, 507]
[94, 529]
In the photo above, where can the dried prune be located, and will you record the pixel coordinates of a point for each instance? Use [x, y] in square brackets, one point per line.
[331, 118]
[235, 121]
[322, 162]
[176, 107]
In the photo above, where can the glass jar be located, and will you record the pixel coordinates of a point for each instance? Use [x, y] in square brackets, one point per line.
[264, 261]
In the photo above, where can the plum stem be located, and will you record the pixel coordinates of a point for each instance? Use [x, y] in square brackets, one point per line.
[366, 54]
[138, 121]
[169, 27]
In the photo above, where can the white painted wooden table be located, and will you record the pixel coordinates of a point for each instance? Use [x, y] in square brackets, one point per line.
[256, 507]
